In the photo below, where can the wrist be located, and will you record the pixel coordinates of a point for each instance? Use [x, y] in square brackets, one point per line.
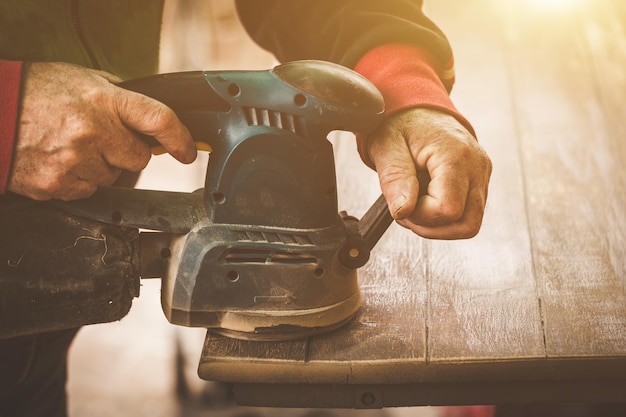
[408, 77]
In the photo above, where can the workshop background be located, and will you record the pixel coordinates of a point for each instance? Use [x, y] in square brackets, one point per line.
[144, 366]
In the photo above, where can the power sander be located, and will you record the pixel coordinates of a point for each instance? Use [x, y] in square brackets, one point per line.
[261, 252]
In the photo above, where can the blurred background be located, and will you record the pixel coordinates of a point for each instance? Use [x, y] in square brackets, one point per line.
[144, 366]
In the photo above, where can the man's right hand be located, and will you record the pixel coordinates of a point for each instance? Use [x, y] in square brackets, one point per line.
[77, 130]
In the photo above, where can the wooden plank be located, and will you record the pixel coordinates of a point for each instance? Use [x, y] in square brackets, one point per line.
[574, 180]
[453, 393]
[392, 283]
[392, 287]
[537, 298]
[483, 296]
[604, 33]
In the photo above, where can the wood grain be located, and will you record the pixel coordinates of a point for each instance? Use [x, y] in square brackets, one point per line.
[538, 298]
[574, 178]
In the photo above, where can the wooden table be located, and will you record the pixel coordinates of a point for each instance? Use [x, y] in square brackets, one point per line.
[534, 307]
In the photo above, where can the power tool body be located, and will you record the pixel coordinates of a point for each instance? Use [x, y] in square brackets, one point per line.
[261, 252]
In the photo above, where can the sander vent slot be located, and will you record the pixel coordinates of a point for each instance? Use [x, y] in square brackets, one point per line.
[267, 256]
[270, 118]
[274, 237]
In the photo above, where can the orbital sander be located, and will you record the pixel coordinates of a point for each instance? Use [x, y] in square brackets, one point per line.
[262, 251]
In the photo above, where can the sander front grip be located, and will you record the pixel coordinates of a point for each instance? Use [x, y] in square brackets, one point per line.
[324, 93]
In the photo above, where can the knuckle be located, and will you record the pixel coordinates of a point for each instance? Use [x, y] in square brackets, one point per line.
[37, 194]
[161, 117]
[78, 192]
[141, 157]
[451, 210]
[68, 158]
[392, 173]
[81, 129]
[95, 95]
[483, 160]
[110, 178]
[50, 187]
[86, 191]
[472, 224]
[471, 229]
[140, 162]
[130, 154]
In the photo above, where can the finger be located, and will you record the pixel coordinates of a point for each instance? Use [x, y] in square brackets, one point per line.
[79, 189]
[113, 79]
[92, 167]
[396, 174]
[84, 179]
[104, 175]
[445, 198]
[66, 188]
[464, 228]
[153, 118]
[131, 154]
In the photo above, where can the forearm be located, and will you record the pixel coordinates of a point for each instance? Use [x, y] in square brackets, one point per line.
[10, 81]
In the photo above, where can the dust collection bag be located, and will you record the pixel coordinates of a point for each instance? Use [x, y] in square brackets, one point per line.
[59, 271]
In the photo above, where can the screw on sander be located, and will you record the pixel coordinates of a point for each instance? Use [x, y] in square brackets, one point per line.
[261, 252]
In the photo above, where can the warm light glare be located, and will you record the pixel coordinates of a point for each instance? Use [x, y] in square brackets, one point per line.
[555, 3]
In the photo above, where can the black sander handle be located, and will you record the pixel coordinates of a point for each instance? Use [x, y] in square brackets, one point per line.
[364, 234]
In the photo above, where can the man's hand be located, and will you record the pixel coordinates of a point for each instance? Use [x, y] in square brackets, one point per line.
[77, 131]
[419, 141]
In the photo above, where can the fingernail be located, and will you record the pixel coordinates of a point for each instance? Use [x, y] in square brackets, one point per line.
[397, 205]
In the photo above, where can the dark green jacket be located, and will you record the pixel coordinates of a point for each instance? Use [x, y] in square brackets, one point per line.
[118, 36]
[122, 36]
[339, 30]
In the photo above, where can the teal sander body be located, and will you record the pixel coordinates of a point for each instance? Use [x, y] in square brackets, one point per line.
[261, 252]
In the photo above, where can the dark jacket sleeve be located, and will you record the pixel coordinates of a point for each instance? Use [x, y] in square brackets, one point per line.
[340, 31]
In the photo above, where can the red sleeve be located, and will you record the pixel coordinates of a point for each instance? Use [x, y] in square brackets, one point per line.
[408, 76]
[10, 81]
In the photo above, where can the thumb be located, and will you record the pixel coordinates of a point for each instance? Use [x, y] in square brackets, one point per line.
[397, 175]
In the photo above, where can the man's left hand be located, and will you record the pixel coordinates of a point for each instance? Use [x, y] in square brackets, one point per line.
[425, 141]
